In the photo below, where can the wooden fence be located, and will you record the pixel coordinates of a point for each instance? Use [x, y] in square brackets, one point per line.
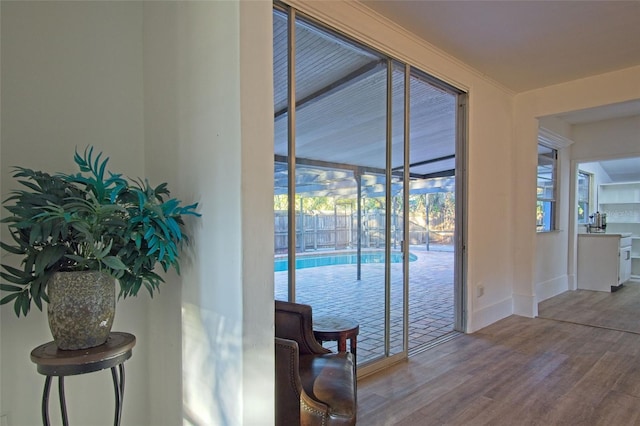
[329, 230]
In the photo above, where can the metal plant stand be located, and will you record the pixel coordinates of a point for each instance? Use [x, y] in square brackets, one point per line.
[52, 361]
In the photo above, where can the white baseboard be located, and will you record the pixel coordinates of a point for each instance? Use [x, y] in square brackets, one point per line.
[489, 315]
[571, 282]
[525, 305]
[553, 287]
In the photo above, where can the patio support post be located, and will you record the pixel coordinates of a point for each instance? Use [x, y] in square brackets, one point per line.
[406, 185]
[315, 232]
[358, 177]
[394, 224]
[291, 147]
[426, 208]
[303, 243]
[335, 225]
[388, 199]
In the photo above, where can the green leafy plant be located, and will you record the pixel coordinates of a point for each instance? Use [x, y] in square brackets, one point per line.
[91, 220]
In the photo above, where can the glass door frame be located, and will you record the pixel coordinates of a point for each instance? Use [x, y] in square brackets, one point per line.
[460, 296]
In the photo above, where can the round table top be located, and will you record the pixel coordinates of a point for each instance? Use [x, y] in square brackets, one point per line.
[114, 351]
[334, 324]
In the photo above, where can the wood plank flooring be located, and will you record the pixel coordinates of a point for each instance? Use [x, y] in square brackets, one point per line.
[618, 311]
[518, 371]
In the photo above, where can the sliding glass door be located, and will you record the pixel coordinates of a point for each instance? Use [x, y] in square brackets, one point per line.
[345, 179]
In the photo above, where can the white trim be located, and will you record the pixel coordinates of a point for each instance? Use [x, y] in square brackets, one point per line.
[552, 139]
[525, 305]
[550, 288]
[490, 314]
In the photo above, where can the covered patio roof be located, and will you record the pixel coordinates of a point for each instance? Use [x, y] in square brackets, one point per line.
[318, 181]
[341, 119]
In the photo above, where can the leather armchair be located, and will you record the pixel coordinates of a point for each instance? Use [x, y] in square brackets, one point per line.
[313, 385]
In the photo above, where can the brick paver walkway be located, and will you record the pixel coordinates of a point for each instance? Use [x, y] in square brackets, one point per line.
[334, 290]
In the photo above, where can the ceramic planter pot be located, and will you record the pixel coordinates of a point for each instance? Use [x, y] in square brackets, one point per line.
[81, 308]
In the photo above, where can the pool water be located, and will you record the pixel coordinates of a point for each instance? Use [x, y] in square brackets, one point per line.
[302, 262]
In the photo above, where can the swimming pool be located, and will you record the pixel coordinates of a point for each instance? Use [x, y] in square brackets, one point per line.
[281, 264]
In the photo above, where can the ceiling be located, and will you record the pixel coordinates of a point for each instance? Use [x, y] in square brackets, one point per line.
[340, 118]
[525, 45]
[619, 170]
[606, 112]
[622, 170]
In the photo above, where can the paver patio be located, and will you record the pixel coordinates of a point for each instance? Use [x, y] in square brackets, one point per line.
[334, 290]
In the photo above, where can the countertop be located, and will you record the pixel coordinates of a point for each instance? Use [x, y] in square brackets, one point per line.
[605, 234]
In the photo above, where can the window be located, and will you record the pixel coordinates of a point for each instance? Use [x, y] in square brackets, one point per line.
[584, 196]
[547, 183]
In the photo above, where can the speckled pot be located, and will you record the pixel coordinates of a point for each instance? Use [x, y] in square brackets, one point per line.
[81, 308]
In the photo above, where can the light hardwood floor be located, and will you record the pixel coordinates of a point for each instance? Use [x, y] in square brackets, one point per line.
[618, 311]
[518, 371]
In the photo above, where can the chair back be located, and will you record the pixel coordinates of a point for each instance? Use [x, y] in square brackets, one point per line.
[294, 321]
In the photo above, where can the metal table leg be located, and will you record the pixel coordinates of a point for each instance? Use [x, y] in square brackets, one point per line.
[53, 362]
[118, 387]
[63, 401]
[45, 401]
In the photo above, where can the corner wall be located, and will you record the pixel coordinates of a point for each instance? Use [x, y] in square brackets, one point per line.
[162, 156]
[551, 275]
[209, 106]
[71, 77]
[178, 92]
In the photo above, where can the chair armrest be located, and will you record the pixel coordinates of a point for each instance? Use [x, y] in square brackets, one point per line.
[312, 412]
[330, 381]
[291, 399]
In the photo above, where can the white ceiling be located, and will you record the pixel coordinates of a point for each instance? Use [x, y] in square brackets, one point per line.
[606, 112]
[619, 170]
[525, 45]
[622, 170]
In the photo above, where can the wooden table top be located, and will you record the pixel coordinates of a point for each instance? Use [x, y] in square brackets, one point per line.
[54, 361]
[334, 324]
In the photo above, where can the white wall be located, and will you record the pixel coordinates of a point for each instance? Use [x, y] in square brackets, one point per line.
[209, 64]
[550, 272]
[551, 275]
[209, 104]
[71, 76]
[162, 152]
[619, 86]
[178, 92]
[134, 78]
[490, 167]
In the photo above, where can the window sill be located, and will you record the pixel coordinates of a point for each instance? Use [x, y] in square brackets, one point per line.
[554, 231]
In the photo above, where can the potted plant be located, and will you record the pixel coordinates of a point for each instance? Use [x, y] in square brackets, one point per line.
[83, 231]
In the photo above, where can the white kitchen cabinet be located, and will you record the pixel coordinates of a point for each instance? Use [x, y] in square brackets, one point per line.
[625, 264]
[604, 261]
[635, 258]
[621, 203]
